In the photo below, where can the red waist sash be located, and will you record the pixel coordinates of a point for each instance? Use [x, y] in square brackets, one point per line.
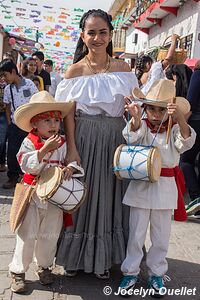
[179, 213]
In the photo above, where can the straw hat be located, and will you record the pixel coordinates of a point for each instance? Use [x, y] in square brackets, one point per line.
[39, 103]
[162, 92]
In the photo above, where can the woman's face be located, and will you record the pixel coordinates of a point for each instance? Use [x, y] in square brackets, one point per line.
[147, 66]
[96, 34]
[31, 66]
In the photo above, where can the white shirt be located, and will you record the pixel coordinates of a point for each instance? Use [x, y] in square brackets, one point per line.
[29, 163]
[21, 94]
[156, 73]
[99, 93]
[163, 193]
[55, 80]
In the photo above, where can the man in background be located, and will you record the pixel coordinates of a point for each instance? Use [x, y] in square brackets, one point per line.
[55, 77]
[39, 58]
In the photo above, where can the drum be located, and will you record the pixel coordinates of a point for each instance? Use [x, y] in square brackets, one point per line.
[66, 194]
[137, 162]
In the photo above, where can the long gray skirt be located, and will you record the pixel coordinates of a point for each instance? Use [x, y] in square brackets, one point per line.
[99, 233]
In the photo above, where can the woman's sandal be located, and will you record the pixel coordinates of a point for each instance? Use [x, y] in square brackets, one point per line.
[70, 273]
[105, 275]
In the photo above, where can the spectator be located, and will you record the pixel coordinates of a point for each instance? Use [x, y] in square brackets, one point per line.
[3, 127]
[29, 67]
[55, 77]
[17, 92]
[155, 71]
[39, 58]
[188, 158]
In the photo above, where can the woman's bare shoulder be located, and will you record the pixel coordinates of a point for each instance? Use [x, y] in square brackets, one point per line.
[75, 70]
[118, 65]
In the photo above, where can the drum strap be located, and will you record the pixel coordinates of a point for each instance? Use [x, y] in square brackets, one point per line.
[179, 213]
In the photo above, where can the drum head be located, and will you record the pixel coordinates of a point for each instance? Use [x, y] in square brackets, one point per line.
[48, 182]
[154, 164]
[116, 160]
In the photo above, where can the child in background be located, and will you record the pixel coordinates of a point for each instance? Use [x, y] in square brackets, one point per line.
[36, 80]
[42, 148]
[153, 202]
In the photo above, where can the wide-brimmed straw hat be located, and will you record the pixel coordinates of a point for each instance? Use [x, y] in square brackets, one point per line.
[160, 94]
[39, 103]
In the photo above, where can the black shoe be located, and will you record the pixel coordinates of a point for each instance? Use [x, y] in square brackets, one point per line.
[11, 183]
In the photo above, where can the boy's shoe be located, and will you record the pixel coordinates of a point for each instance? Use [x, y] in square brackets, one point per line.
[44, 275]
[18, 283]
[11, 183]
[128, 282]
[156, 284]
[193, 206]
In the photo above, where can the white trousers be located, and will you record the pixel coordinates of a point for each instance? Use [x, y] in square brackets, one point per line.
[160, 228]
[39, 232]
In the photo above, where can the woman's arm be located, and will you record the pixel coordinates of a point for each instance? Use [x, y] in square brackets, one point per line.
[170, 53]
[69, 127]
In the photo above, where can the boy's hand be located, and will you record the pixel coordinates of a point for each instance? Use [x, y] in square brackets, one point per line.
[52, 143]
[135, 111]
[133, 108]
[173, 110]
[68, 173]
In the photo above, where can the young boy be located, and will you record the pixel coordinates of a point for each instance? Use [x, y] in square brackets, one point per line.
[153, 202]
[18, 91]
[42, 148]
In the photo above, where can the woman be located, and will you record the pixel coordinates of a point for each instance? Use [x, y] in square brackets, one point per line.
[155, 71]
[28, 70]
[97, 83]
[143, 66]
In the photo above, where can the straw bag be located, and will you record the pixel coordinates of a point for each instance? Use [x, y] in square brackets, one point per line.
[21, 200]
[179, 56]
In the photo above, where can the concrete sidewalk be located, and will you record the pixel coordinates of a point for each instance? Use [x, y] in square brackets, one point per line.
[183, 259]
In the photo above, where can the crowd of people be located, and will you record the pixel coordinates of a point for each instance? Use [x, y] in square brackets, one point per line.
[110, 226]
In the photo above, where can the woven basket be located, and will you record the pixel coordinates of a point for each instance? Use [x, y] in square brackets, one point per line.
[179, 56]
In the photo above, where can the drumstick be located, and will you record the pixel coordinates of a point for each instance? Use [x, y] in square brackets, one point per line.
[169, 124]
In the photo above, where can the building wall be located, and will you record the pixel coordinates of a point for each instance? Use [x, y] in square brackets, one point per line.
[187, 22]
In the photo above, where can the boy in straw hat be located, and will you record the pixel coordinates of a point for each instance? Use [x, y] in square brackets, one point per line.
[43, 147]
[153, 202]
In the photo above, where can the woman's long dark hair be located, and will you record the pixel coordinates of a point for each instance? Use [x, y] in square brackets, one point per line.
[183, 74]
[81, 49]
[140, 66]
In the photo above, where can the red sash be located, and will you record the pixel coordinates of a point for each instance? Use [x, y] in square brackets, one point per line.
[179, 213]
[28, 178]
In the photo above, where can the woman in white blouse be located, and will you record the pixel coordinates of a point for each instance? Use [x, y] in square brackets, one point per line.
[97, 83]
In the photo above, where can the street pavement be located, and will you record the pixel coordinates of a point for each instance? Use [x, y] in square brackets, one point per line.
[183, 258]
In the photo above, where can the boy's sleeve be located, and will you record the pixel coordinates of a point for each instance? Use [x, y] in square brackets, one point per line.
[182, 144]
[28, 158]
[133, 137]
[7, 96]
[80, 172]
